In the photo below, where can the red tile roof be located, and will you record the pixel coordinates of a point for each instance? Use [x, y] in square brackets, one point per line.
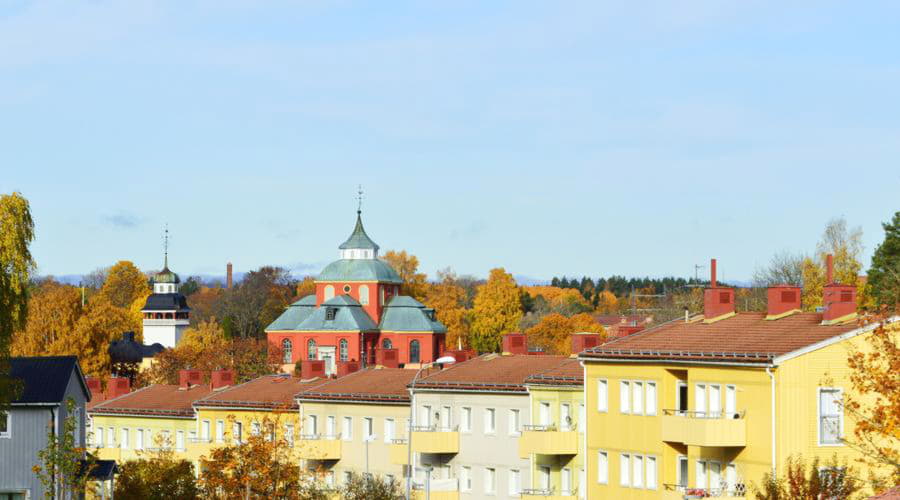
[374, 385]
[156, 400]
[570, 372]
[891, 494]
[491, 372]
[266, 392]
[745, 337]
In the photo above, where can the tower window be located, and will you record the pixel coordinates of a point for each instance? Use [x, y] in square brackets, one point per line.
[330, 313]
[387, 344]
[414, 351]
[311, 349]
[329, 292]
[347, 288]
[286, 351]
[364, 295]
[344, 349]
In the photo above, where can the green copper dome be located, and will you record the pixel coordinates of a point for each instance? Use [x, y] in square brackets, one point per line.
[359, 239]
[360, 270]
[166, 276]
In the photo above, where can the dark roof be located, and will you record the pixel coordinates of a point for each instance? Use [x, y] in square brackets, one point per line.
[44, 379]
[491, 372]
[128, 350]
[349, 317]
[371, 385]
[744, 337]
[166, 302]
[359, 238]
[406, 314]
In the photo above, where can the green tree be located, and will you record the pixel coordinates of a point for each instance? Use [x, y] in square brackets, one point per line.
[498, 309]
[64, 468]
[884, 275]
[16, 265]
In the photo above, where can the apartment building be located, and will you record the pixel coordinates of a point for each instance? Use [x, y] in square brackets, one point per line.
[713, 402]
[351, 423]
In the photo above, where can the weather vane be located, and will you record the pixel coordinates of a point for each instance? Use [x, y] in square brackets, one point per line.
[359, 198]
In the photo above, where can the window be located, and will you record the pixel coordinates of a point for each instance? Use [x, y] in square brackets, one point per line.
[204, 430]
[368, 429]
[651, 473]
[715, 401]
[513, 422]
[347, 429]
[731, 402]
[731, 480]
[682, 471]
[381, 296]
[637, 401]
[425, 416]
[254, 428]
[637, 477]
[445, 419]
[388, 430]
[329, 292]
[312, 425]
[565, 481]
[139, 439]
[602, 467]
[123, 439]
[5, 427]
[565, 416]
[700, 400]
[490, 421]
[387, 344]
[344, 349]
[286, 351]
[831, 416]
[236, 432]
[465, 419]
[364, 295]
[220, 431]
[625, 397]
[347, 288]
[310, 349]
[701, 474]
[329, 426]
[98, 437]
[289, 434]
[544, 477]
[414, 351]
[650, 406]
[111, 437]
[625, 469]
[347, 476]
[544, 414]
[715, 474]
[330, 313]
[513, 479]
[465, 478]
[490, 480]
[179, 440]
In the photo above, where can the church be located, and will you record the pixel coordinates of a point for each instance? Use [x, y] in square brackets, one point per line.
[356, 312]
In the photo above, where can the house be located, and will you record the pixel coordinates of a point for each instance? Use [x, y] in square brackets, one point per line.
[713, 402]
[351, 424]
[47, 383]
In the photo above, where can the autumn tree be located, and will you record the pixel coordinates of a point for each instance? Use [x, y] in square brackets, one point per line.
[884, 274]
[497, 311]
[157, 475]
[124, 284]
[553, 333]
[63, 466]
[16, 265]
[53, 311]
[606, 303]
[101, 323]
[784, 268]
[306, 286]
[204, 304]
[255, 301]
[817, 481]
[415, 284]
[845, 244]
[368, 487]
[448, 299]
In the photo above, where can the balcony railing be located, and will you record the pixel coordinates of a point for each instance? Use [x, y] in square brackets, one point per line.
[320, 446]
[549, 428]
[736, 415]
[725, 491]
[548, 440]
[318, 437]
[200, 440]
[705, 428]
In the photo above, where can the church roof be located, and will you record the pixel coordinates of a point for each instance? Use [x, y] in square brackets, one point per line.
[166, 302]
[294, 314]
[348, 317]
[360, 270]
[359, 238]
[406, 314]
[166, 276]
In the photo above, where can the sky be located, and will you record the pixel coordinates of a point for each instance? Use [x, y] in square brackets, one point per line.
[550, 138]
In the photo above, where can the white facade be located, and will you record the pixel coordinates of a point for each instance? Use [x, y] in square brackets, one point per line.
[167, 332]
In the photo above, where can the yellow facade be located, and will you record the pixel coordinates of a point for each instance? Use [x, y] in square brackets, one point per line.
[554, 443]
[144, 434]
[720, 436]
[227, 426]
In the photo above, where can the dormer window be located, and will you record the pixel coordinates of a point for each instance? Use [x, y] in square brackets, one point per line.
[330, 313]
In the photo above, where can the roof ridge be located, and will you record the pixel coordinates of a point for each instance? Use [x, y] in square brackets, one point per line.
[125, 395]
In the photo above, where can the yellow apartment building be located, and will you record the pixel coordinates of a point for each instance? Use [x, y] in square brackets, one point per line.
[708, 405]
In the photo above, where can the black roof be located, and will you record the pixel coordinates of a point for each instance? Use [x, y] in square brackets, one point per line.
[44, 379]
[128, 350]
[166, 302]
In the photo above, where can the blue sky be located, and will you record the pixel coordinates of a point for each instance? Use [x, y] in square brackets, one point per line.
[575, 138]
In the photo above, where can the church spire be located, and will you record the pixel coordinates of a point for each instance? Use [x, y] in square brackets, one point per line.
[359, 245]
[166, 248]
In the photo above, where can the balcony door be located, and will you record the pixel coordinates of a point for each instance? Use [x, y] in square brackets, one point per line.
[700, 400]
[545, 414]
[544, 477]
[681, 398]
[682, 472]
[730, 402]
[715, 401]
[565, 416]
[329, 425]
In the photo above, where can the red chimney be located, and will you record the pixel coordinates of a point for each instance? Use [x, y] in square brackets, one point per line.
[388, 358]
[583, 341]
[117, 386]
[228, 276]
[312, 368]
[626, 330]
[717, 301]
[514, 343]
[94, 386]
[347, 367]
[782, 299]
[829, 269]
[221, 378]
[187, 378]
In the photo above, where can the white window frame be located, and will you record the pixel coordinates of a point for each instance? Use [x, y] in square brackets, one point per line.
[465, 419]
[490, 480]
[368, 429]
[220, 431]
[7, 434]
[289, 434]
[179, 440]
[490, 421]
[602, 395]
[637, 471]
[205, 428]
[514, 422]
[123, 437]
[648, 484]
[465, 478]
[390, 428]
[625, 470]
[819, 416]
[625, 397]
[139, 439]
[110, 437]
[513, 480]
[650, 400]
[602, 467]
[347, 428]
[237, 432]
[637, 397]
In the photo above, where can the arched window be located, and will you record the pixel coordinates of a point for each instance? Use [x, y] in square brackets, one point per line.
[311, 349]
[364, 294]
[329, 292]
[414, 351]
[387, 344]
[344, 349]
[287, 349]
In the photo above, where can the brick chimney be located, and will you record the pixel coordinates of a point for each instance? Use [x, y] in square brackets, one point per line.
[582, 341]
[221, 378]
[94, 386]
[312, 368]
[514, 343]
[626, 330]
[717, 301]
[117, 386]
[228, 275]
[388, 358]
[782, 299]
[839, 300]
[347, 367]
[187, 378]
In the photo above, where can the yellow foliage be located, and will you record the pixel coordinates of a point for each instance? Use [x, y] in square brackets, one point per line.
[557, 297]
[206, 335]
[607, 303]
[554, 331]
[497, 310]
[448, 300]
[124, 284]
[53, 310]
[407, 266]
[307, 286]
[101, 324]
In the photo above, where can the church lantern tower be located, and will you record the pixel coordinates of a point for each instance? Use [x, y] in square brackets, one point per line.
[166, 314]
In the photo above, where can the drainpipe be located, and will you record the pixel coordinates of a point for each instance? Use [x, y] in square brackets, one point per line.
[772, 379]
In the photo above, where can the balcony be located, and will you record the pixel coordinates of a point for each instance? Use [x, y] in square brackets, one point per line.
[430, 439]
[320, 447]
[547, 440]
[712, 429]
[678, 492]
[439, 489]
[399, 452]
[546, 494]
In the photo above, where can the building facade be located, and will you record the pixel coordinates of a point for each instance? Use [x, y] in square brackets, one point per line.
[166, 314]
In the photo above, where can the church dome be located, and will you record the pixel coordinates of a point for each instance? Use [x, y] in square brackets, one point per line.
[360, 270]
[166, 276]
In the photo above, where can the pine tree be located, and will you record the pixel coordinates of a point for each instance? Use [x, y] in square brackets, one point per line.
[884, 275]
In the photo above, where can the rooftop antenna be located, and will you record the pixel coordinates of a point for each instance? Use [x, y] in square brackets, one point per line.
[697, 268]
[359, 199]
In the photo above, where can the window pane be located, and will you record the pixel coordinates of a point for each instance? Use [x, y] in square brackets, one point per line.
[701, 474]
[602, 467]
[637, 478]
[624, 470]
[637, 402]
[625, 397]
[651, 473]
[602, 395]
[651, 398]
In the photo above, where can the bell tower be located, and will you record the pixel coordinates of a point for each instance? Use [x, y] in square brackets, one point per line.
[166, 314]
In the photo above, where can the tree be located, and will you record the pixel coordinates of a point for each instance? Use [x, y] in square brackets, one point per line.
[190, 286]
[875, 401]
[63, 469]
[53, 310]
[306, 286]
[16, 265]
[783, 268]
[884, 274]
[249, 358]
[367, 487]
[124, 284]
[204, 304]
[799, 482]
[407, 266]
[845, 244]
[256, 301]
[264, 466]
[554, 331]
[208, 335]
[606, 303]
[89, 340]
[449, 302]
[497, 310]
[157, 475]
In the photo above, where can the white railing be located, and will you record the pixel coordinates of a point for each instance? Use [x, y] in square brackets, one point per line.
[317, 437]
[736, 415]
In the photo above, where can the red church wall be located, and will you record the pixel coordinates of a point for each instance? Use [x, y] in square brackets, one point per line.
[300, 341]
